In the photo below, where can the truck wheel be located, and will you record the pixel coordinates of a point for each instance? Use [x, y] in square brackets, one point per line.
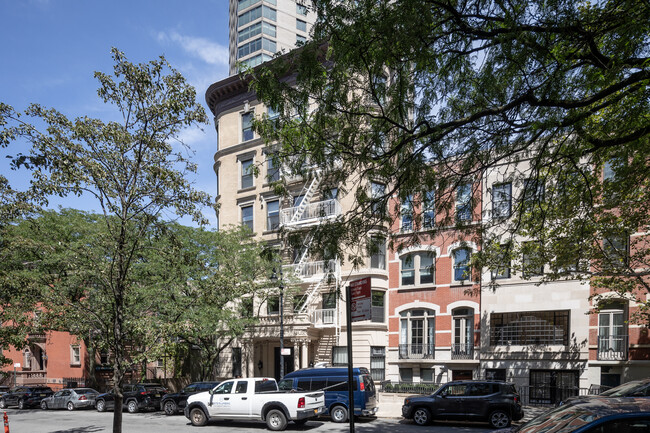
[422, 416]
[100, 406]
[132, 406]
[169, 407]
[197, 417]
[499, 419]
[339, 413]
[275, 420]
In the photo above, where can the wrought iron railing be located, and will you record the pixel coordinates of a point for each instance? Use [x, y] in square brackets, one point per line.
[462, 351]
[417, 351]
[313, 211]
[613, 348]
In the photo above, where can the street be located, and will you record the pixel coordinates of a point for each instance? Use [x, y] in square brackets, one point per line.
[91, 421]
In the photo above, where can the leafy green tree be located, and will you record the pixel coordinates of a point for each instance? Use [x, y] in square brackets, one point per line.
[134, 168]
[429, 95]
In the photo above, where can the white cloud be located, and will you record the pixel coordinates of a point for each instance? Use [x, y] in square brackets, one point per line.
[205, 49]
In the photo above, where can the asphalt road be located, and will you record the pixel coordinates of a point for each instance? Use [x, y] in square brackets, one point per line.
[91, 421]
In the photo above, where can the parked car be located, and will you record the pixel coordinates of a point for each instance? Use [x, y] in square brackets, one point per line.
[174, 403]
[71, 399]
[136, 397]
[3, 390]
[256, 398]
[25, 396]
[495, 402]
[593, 415]
[334, 382]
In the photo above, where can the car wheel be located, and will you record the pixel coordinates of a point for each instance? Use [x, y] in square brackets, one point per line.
[100, 405]
[170, 407]
[43, 405]
[70, 405]
[21, 404]
[132, 406]
[499, 419]
[197, 417]
[3, 403]
[339, 413]
[275, 420]
[422, 416]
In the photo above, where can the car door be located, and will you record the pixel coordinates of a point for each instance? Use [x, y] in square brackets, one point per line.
[220, 403]
[56, 400]
[448, 403]
[478, 399]
[240, 400]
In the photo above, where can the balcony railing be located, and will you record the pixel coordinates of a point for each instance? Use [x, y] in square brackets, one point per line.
[462, 351]
[311, 269]
[417, 351]
[313, 212]
[324, 318]
[613, 348]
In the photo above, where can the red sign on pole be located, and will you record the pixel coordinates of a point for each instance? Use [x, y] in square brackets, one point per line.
[360, 299]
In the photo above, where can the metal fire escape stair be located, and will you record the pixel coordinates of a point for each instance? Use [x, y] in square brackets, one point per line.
[307, 192]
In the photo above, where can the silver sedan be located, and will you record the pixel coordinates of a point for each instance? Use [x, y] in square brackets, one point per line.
[71, 399]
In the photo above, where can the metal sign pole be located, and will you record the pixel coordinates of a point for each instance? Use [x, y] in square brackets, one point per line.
[348, 311]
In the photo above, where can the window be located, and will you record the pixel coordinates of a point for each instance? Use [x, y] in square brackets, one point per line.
[406, 375]
[75, 355]
[377, 252]
[379, 88]
[256, 13]
[464, 202]
[377, 302]
[272, 172]
[300, 40]
[301, 9]
[247, 216]
[428, 210]
[339, 356]
[495, 374]
[378, 363]
[272, 113]
[612, 335]
[502, 270]
[501, 200]
[256, 60]
[377, 191]
[463, 333]
[217, 183]
[417, 334]
[532, 261]
[242, 385]
[427, 374]
[301, 25]
[255, 45]
[273, 305]
[529, 328]
[254, 30]
[272, 214]
[103, 358]
[247, 126]
[423, 262]
[406, 213]
[533, 192]
[462, 270]
[247, 173]
[243, 4]
[246, 307]
[329, 300]
[616, 250]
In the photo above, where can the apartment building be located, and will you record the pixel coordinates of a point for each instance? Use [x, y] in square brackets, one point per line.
[261, 28]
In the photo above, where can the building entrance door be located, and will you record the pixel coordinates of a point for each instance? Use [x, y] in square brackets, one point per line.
[288, 362]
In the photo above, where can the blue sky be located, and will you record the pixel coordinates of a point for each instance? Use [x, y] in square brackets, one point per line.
[51, 48]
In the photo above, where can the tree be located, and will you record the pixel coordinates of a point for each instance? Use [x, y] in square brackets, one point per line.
[428, 95]
[133, 168]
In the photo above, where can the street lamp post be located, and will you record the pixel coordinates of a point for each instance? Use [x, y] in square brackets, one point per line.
[274, 278]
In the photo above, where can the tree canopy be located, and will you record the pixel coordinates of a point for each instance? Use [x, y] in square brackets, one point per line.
[429, 95]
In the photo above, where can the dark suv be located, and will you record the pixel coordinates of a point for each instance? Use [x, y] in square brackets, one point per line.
[175, 403]
[136, 397]
[25, 396]
[495, 402]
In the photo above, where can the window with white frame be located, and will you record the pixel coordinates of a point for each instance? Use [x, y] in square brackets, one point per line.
[501, 200]
[378, 363]
[247, 173]
[429, 210]
[464, 202]
[378, 306]
[417, 268]
[377, 250]
[417, 333]
[502, 268]
[272, 214]
[247, 216]
[529, 327]
[462, 269]
[339, 356]
[616, 250]
[463, 331]
[612, 333]
[406, 213]
[272, 172]
[301, 9]
[247, 126]
[75, 355]
[377, 191]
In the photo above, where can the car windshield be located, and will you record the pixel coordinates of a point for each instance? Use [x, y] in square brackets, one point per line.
[156, 388]
[623, 390]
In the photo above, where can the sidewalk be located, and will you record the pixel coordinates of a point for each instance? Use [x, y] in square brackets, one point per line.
[390, 406]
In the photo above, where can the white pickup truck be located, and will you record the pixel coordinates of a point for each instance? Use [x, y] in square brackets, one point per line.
[254, 399]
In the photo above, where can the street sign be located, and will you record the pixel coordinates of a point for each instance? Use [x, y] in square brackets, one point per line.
[17, 365]
[360, 299]
[286, 351]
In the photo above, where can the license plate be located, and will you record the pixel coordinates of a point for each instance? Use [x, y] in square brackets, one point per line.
[42, 395]
[157, 395]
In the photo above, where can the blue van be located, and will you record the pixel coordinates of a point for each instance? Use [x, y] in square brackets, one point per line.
[334, 381]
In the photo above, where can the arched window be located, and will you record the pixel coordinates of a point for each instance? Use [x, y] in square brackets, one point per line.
[417, 334]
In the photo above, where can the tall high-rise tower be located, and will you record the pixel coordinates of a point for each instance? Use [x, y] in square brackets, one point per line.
[261, 28]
